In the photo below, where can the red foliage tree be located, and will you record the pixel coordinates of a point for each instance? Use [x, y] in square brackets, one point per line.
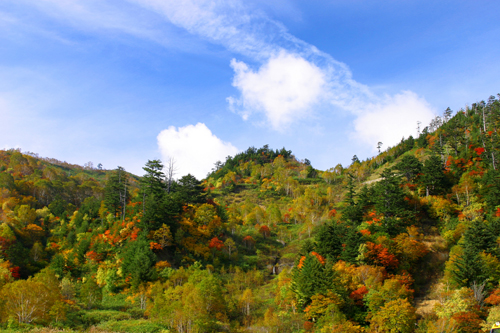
[4, 246]
[14, 271]
[94, 256]
[248, 241]
[468, 322]
[494, 298]
[358, 295]
[479, 150]
[265, 231]
[216, 243]
[379, 255]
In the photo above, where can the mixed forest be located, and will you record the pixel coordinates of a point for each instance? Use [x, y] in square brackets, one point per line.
[405, 241]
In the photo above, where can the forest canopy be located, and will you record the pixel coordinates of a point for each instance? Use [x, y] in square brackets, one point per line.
[405, 241]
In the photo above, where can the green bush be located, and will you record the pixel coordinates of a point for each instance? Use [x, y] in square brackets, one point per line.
[131, 326]
[114, 301]
[95, 317]
[136, 313]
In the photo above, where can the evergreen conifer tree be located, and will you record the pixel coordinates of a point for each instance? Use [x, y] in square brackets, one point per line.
[433, 177]
[351, 244]
[329, 239]
[410, 167]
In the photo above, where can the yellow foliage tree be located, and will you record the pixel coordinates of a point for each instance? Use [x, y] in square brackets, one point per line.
[29, 301]
[25, 215]
[396, 316]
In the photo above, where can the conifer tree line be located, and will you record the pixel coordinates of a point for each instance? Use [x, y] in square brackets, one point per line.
[405, 241]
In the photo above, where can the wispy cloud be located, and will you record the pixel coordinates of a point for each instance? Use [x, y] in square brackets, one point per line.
[277, 75]
[115, 19]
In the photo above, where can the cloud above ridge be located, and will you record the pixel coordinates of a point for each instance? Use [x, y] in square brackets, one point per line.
[194, 148]
[284, 89]
[392, 119]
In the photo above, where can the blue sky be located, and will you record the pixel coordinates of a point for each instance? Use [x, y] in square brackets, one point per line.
[120, 82]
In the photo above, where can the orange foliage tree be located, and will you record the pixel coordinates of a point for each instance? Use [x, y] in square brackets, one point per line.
[380, 255]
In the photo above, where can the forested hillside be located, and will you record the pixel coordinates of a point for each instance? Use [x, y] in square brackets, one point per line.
[406, 241]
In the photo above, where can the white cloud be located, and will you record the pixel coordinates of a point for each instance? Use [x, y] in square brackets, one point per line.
[194, 148]
[287, 63]
[284, 89]
[392, 119]
[293, 76]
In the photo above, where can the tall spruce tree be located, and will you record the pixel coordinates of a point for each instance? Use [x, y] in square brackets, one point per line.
[189, 190]
[350, 247]
[116, 192]
[390, 202]
[153, 190]
[410, 167]
[329, 239]
[351, 213]
[433, 178]
[469, 267]
[312, 277]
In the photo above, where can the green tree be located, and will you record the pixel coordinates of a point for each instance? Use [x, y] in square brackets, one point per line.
[389, 199]
[490, 189]
[433, 178]
[7, 181]
[390, 202]
[138, 260]
[190, 190]
[468, 268]
[350, 247]
[352, 212]
[410, 167]
[329, 240]
[90, 292]
[58, 206]
[116, 192]
[158, 206]
[153, 182]
[314, 276]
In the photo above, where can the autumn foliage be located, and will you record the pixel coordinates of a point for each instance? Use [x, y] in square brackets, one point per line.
[216, 243]
[380, 255]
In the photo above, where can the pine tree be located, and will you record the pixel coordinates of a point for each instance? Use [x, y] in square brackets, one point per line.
[138, 260]
[390, 202]
[389, 199]
[154, 196]
[490, 190]
[314, 276]
[468, 268]
[479, 237]
[116, 192]
[410, 167]
[189, 190]
[433, 177]
[351, 244]
[351, 213]
[329, 240]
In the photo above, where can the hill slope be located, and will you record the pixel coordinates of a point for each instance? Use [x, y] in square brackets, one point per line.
[266, 242]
